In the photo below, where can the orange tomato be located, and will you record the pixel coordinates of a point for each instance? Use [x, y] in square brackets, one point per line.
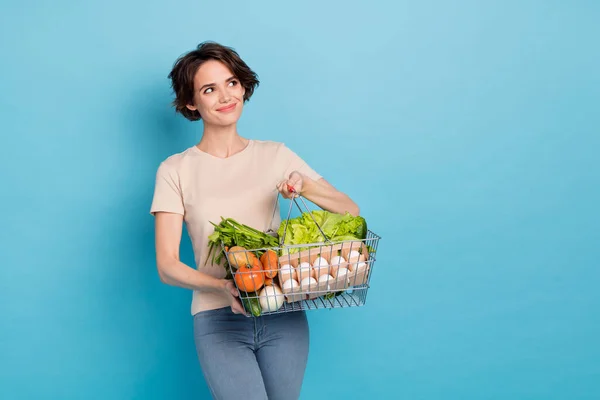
[250, 278]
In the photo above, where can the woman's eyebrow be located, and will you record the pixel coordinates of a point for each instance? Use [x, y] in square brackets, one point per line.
[213, 84]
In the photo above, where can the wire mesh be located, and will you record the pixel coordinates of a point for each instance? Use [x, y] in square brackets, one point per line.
[303, 277]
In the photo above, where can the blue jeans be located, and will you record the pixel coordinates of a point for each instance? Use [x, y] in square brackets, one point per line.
[252, 358]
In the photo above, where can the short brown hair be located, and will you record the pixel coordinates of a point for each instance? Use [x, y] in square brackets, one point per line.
[186, 66]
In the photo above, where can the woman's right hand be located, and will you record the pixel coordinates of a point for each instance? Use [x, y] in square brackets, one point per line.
[231, 290]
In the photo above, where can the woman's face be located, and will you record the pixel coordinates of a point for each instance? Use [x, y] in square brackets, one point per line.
[218, 95]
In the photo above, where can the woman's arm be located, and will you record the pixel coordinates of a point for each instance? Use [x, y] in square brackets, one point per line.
[168, 229]
[320, 192]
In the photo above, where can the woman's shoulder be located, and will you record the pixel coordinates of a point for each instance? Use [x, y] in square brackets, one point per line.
[270, 146]
[266, 143]
[176, 160]
[275, 152]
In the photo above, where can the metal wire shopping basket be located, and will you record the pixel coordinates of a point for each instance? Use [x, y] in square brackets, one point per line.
[287, 278]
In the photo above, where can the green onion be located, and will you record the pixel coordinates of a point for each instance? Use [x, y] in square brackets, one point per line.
[231, 233]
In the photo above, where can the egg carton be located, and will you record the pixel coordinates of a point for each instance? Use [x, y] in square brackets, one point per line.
[324, 269]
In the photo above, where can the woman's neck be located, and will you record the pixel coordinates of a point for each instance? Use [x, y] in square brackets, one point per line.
[221, 141]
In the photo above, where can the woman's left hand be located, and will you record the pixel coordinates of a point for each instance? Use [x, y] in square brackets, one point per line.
[295, 182]
[320, 192]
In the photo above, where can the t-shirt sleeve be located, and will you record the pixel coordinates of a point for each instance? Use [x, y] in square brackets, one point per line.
[167, 191]
[292, 162]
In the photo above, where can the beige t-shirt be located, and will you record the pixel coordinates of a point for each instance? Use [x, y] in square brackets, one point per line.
[204, 188]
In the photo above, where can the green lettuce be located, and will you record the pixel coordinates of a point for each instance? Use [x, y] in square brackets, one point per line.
[337, 227]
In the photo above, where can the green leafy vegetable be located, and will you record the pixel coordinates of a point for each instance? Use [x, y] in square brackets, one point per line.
[337, 227]
[232, 233]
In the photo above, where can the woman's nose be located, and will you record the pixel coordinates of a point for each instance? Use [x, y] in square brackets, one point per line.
[225, 95]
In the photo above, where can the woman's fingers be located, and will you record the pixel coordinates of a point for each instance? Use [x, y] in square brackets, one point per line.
[291, 187]
[236, 307]
[295, 183]
[283, 189]
[232, 289]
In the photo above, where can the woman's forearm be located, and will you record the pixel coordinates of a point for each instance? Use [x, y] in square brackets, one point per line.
[328, 197]
[170, 269]
[175, 273]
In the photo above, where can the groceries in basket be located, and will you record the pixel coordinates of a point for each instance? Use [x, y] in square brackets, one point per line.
[313, 261]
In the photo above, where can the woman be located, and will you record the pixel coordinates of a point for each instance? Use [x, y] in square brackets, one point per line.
[226, 174]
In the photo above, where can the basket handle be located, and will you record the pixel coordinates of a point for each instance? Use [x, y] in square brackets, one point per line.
[287, 221]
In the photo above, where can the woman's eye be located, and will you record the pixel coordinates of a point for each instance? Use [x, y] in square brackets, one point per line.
[233, 83]
[208, 90]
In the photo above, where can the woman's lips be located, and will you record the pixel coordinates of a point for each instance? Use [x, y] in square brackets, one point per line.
[230, 107]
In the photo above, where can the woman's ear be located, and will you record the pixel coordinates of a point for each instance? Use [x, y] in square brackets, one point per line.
[192, 107]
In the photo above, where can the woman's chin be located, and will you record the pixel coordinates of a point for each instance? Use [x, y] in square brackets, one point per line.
[225, 120]
[221, 123]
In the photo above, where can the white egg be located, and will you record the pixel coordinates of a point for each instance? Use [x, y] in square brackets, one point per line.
[287, 272]
[324, 281]
[354, 277]
[304, 270]
[308, 284]
[321, 266]
[354, 258]
[341, 272]
[337, 260]
[341, 279]
[320, 261]
[291, 285]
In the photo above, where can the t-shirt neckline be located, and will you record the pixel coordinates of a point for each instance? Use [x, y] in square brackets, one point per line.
[234, 156]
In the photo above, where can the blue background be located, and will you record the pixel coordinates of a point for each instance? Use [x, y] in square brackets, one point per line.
[467, 132]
